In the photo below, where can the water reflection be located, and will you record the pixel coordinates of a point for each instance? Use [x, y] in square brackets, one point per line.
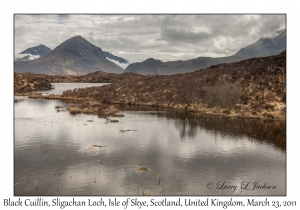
[59, 88]
[186, 128]
[272, 132]
[182, 151]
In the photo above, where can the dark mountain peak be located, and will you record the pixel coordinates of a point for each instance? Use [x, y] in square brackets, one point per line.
[261, 48]
[78, 38]
[153, 63]
[264, 46]
[152, 60]
[75, 39]
[148, 66]
[38, 50]
[75, 56]
[80, 47]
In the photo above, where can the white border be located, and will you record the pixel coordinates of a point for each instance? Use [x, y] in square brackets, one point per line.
[154, 6]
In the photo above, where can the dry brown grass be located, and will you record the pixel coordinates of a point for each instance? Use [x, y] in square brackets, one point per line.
[88, 110]
[35, 95]
[145, 193]
[74, 110]
[223, 95]
[26, 82]
[143, 168]
[58, 107]
[254, 88]
[118, 115]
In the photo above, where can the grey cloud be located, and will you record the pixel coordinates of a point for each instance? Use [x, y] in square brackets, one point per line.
[184, 21]
[178, 35]
[121, 43]
[165, 37]
[245, 25]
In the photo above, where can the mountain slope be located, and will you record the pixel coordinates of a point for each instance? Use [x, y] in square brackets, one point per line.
[153, 66]
[149, 66]
[75, 56]
[27, 57]
[264, 47]
[38, 50]
[261, 48]
[253, 88]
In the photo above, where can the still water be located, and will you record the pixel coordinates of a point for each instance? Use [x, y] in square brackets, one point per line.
[184, 154]
[60, 87]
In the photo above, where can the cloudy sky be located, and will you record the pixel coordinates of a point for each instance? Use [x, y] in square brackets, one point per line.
[138, 37]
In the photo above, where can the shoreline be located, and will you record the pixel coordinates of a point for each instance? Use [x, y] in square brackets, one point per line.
[253, 88]
[85, 106]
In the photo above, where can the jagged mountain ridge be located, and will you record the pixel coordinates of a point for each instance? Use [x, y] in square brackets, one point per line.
[38, 50]
[153, 66]
[264, 47]
[261, 48]
[75, 56]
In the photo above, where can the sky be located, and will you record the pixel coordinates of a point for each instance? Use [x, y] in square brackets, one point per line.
[139, 37]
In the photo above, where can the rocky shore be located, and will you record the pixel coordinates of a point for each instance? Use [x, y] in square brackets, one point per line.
[27, 83]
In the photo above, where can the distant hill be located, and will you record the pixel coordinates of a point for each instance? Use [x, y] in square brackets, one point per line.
[149, 66]
[153, 66]
[261, 48]
[38, 50]
[75, 56]
[254, 88]
[264, 47]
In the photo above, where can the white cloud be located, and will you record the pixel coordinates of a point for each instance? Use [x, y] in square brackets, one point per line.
[122, 65]
[30, 57]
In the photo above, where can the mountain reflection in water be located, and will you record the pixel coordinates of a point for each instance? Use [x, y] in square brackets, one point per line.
[187, 123]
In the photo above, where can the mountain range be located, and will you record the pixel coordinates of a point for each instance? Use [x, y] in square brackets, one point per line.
[261, 48]
[32, 53]
[38, 50]
[35, 52]
[75, 56]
